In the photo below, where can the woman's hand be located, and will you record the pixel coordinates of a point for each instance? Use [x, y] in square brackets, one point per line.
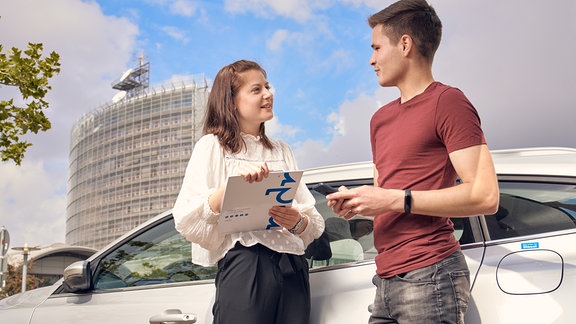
[286, 217]
[254, 171]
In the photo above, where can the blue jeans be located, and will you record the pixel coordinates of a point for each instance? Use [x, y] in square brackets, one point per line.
[438, 293]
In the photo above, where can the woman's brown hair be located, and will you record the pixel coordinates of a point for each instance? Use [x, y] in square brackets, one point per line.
[221, 115]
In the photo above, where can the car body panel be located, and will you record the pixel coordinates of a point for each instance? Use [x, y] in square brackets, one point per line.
[21, 306]
[528, 281]
[333, 302]
[129, 305]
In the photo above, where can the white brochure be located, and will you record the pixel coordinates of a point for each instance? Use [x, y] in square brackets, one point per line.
[245, 206]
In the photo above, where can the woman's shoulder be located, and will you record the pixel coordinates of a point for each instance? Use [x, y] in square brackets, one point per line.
[280, 144]
[208, 139]
[208, 142]
[285, 150]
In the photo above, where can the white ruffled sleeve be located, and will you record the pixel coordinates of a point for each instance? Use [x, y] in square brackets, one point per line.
[304, 202]
[205, 172]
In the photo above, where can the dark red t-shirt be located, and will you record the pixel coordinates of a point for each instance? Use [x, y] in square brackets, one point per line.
[410, 146]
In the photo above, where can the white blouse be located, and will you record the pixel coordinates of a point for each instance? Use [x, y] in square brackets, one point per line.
[208, 169]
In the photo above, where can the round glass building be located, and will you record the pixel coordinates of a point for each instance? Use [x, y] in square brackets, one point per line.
[128, 158]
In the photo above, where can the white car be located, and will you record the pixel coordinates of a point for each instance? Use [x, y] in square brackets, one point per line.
[522, 259]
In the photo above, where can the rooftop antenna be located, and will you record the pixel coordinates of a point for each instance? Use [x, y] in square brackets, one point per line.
[133, 82]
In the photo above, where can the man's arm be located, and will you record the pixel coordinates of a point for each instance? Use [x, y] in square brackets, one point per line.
[477, 194]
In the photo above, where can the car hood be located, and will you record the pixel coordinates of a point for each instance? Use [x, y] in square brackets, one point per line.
[28, 299]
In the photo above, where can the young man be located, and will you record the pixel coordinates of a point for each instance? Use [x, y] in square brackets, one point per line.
[421, 144]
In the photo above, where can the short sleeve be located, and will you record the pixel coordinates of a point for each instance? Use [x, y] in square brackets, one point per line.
[458, 123]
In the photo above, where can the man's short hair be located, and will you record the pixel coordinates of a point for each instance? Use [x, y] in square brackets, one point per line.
[415, 18]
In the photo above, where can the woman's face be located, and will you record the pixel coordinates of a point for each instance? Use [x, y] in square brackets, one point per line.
[253, 101]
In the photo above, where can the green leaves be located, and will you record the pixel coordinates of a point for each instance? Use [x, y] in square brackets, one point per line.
[29, 72]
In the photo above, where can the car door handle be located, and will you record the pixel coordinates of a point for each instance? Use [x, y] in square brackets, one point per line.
[173, 316]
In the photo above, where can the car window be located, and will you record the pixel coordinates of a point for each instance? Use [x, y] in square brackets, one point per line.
[528, 208]
[352, 240]
[158, 255]
[343, 240]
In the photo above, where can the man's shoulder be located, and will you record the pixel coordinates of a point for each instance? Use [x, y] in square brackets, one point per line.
[437, 86]
[441, 88]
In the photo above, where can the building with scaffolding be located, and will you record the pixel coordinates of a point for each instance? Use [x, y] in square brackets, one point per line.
[128, 157]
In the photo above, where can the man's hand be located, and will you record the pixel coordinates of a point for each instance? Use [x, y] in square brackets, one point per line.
[365, 200]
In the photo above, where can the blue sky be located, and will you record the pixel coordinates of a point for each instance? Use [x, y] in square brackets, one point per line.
[514, 59]
[309, 51]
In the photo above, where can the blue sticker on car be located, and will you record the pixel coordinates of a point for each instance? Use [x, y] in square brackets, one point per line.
[530, 245]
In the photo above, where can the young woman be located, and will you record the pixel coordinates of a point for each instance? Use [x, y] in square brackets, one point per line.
[262, 275]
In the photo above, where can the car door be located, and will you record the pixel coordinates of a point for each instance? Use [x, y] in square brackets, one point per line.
[148, 276]
[528, 274]
[342, 264]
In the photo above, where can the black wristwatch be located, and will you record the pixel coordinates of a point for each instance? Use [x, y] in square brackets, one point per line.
[407, 201]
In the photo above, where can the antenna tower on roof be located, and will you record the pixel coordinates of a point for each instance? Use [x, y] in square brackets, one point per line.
[135, 81]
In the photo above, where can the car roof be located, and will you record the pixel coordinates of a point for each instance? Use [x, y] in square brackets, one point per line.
[551, 161]
[344, 171]
[548, 161]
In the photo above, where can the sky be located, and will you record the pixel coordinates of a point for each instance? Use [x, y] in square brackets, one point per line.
[514, 60]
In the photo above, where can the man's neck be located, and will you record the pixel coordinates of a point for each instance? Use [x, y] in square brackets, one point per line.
[411, 90]
[416, 80]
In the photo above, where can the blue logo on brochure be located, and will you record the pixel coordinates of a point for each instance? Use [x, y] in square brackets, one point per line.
[281, 191]
[530, 245]
[279, 199]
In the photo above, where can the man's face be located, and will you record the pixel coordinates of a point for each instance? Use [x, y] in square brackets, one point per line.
[387, 58]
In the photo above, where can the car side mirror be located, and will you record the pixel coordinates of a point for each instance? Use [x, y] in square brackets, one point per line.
[77, 277]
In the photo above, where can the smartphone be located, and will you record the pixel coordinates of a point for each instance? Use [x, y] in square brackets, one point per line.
[324, 189]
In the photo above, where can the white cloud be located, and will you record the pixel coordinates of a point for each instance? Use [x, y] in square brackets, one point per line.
[276, 42]
[339, 61]
[33, 203]
[283, 40]
[183, 7]
[351, 134]
[299, 10]
[512, 69]
[178, 79]
[176, 33]
[339, 123]
[376, 4]
[95, 49]
[275, 129]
